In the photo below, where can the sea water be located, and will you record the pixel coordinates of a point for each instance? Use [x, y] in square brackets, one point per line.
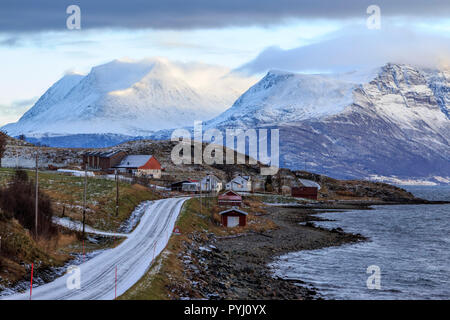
[408, 244]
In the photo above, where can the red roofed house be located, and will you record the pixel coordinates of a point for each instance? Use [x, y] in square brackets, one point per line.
[230, 198]
[140, 165]
[233, 217]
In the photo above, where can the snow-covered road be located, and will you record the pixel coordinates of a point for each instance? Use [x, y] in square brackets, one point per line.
[132, 258]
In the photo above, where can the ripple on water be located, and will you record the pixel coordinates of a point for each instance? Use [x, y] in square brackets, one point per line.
[409, 243]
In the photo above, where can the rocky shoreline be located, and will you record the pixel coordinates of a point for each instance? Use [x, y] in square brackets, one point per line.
[236, 267]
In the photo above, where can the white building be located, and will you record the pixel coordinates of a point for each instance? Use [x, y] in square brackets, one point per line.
[211, 183]
[240, 184]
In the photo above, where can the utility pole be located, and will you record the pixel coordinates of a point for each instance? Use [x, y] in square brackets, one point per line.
[200, 196]
[210, 190]
[84, 198]
[117, 193]
[36, 201]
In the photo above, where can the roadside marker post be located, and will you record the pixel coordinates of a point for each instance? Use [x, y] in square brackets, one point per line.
[31, 280]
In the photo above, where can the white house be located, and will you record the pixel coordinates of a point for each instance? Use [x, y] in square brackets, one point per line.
[240, 184]
[211, 183]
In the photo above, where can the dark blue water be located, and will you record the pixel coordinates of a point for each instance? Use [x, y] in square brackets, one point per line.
[410, 244]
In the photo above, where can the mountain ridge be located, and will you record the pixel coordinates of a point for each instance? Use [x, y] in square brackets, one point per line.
[388, 121]
[131, 98]
[394, 123]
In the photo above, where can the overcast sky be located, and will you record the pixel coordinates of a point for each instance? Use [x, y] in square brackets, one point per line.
[36, 48]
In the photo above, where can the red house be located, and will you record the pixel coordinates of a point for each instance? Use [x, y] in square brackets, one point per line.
[140, 165]
[233, 218]
[230, 198]
[305, 192]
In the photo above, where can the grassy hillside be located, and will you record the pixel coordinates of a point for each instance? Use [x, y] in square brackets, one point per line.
[18, 249]
[66, 193]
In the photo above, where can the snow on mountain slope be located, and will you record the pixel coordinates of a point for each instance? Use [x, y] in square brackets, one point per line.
[282, 97]
[131, 98]
[54, 95]
[391, 121]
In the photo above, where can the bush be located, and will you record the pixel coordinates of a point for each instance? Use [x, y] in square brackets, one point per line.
[17, 200]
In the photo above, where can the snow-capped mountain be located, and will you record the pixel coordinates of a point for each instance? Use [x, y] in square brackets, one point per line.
[283, 97]
[391, 121]
[131, 98]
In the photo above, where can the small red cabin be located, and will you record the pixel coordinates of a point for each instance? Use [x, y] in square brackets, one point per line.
[230, 198]
[233, 218]
[305, 192]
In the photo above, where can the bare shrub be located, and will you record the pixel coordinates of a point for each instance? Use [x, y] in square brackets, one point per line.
[17, 200]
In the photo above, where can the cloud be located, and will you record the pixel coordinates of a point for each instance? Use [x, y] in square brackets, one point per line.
[12, 112]
[10, 42]
[32, 15]
[352, 49]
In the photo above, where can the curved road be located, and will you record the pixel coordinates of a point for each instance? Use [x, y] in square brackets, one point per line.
[132, 258]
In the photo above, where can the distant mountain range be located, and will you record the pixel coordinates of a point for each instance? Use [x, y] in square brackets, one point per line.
[131, 98]
[392, 121]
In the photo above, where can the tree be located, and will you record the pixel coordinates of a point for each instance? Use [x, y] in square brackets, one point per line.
[22, 137]
[3, 143]
[279, 181]
[268, 184]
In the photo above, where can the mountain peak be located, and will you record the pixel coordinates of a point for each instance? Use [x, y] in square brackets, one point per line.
[284, 97]
[277, 72]
[131, 97]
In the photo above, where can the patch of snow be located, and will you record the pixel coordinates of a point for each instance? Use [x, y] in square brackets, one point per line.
[77, 173]
[78, 226]
[310, 183]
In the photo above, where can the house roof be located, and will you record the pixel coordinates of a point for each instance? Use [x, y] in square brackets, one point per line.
[190, 183]
[213, 177]
[134, 161]
[233, 209]
[230, 195]
[309, 183]
[180, 182]
[103, 154]
[245, 178]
